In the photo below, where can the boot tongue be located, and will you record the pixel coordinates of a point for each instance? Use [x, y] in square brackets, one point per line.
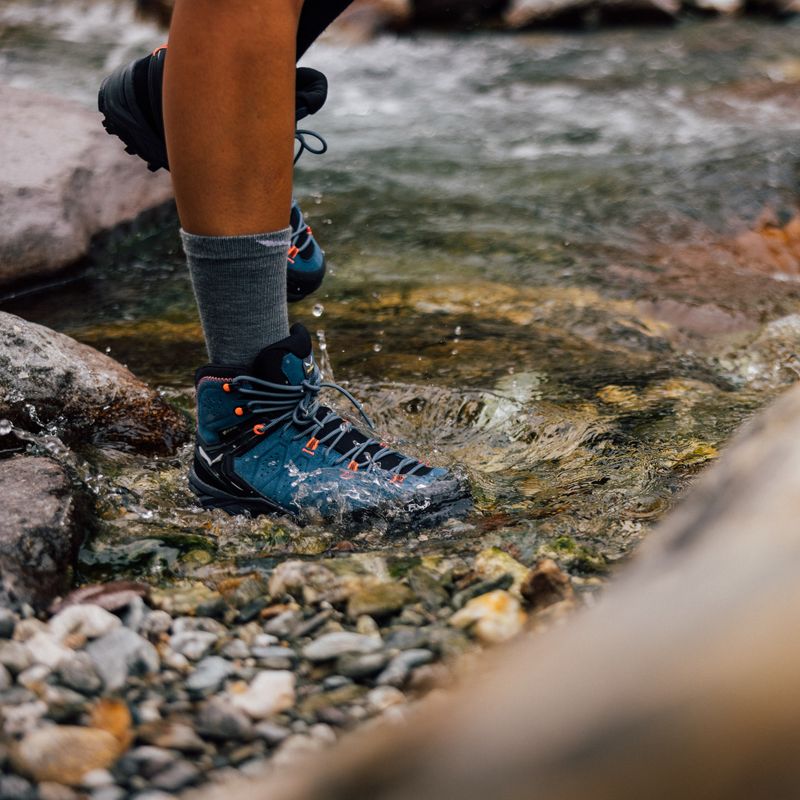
[289, 361]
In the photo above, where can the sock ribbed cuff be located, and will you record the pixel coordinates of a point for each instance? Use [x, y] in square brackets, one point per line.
[222, 248]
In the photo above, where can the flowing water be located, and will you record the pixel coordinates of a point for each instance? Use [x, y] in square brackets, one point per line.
[566, 262]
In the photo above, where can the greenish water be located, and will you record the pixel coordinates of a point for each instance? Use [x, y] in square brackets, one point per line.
[538, 271]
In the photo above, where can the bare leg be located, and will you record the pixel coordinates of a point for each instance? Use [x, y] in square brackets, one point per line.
[230, 132]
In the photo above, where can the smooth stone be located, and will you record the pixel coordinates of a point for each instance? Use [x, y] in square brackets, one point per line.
[271, 733]
[8, 621]
[460, 599]
[15, 656]
[97, 778]
[145, 761]
[177, 776]
[427, 588]
[283, 624]
[56, 791]
[379, 600]
[14, 787]
[339, 643]
[219, 720]
[192, 624]
[122, 653]
[383, 697]
[401, 665]
[77, 672]
[361, 665]
[40, 530]
[46, 649]
[270, 692]
[64, 754]
[92, 399]
[264, 640]
[494, 563]
[89, 621]
[193, 644]
[308, 626]
[155, 623]
[236, 649]
[493, 617]
[109, 793]
[335, 682]
[172, 736]
[323, 733]
[406, 638]
[5, 678]
[34, 676]
[210, 674]
[23, 718]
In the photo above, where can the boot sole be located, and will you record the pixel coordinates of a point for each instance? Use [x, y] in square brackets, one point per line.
[118, 121]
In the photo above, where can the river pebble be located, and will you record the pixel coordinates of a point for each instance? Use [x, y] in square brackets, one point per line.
[87, 621]
[211, 672]
[77, 671]
[121, 653]
[401, 665]
[332, 645]
[64, 754]
[270, 693]
[492, 617]
[193, 644]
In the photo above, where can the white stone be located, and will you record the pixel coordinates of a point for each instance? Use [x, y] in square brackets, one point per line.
[271, 692]
[47, 650]
[86, 620]
[339, 643]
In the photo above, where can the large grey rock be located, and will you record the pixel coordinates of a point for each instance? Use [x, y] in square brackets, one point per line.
[63, 180]
[47, 377]
[39, 530]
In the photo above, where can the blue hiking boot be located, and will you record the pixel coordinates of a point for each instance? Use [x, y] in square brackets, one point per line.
[130, 102]
[265, 444]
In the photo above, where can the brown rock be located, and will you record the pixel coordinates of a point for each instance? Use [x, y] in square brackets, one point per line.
[546, 584]
[39, 530]
[86, 394]
[64, 753]
[379, 600]
[114, 717]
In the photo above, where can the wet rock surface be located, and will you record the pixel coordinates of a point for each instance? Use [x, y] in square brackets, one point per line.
[40, 530]
[64, 180]
[48, 380]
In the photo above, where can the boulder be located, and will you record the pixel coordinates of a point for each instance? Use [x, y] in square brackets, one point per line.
[581, 13]
[63, 180]
[47, 378]
[39, 532]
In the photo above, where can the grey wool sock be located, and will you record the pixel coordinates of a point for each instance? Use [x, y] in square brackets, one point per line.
[240, 286]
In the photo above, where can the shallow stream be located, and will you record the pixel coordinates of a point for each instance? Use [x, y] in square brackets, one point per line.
[559, 260]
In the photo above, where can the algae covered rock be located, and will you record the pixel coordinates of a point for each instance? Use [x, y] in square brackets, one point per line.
[48, 379]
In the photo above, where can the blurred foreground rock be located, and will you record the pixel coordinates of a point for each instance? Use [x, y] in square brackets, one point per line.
[63, 180]
[39, 530]
[680, 682]
[49, 381]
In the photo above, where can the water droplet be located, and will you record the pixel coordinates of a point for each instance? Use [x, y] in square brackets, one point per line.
[108, 350]
[5, 427]
[457, 331]
[318, 310]
[377, 347]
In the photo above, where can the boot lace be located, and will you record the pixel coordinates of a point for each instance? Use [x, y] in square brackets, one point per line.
[298, 405]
